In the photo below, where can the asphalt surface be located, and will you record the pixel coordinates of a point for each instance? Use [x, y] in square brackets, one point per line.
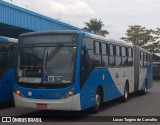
[137, 105]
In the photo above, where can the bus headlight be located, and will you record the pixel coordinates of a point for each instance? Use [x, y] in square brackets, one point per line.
[69, 93]
[18, 92]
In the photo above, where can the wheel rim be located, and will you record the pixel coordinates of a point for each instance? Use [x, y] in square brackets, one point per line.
[98, 99]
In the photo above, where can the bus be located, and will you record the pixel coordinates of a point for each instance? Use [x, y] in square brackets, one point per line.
[76, 70]
[7, 72]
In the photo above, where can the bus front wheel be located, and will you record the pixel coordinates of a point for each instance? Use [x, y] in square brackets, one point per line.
[98, 102]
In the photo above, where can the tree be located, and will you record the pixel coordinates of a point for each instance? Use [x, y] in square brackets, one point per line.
[146, 38]
[138, 35]
[95, 26]
[154, 46]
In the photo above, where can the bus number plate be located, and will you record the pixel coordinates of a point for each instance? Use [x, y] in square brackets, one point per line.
[41, 106]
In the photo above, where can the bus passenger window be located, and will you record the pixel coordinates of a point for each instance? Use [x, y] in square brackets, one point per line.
[111, 55]
[104, 49]
[104, 54]
[130, 57]
[141, 59]
[118, 56]
[97, 48]
[124, 56]
[145, 60]
[97, 54]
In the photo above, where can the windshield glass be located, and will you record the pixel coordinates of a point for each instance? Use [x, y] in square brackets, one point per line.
[53, 64]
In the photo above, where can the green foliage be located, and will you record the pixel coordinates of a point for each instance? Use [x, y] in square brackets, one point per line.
[95, 26]
[145, 38]
[138, 35]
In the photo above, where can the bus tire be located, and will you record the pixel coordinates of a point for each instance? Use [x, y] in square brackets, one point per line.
[126, 93]
[98, 101]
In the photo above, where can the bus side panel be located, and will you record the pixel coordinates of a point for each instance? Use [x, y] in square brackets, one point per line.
[148, 79]
[142, 77]
[98, 77]
[6, 86]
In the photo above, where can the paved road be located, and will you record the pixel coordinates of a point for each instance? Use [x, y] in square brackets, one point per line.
[137, 105]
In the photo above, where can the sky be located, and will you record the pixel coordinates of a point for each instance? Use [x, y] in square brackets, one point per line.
[116, 15]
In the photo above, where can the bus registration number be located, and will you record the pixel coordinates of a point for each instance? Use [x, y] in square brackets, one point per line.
[41, 106]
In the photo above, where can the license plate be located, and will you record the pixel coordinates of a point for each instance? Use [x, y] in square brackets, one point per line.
[41, 106]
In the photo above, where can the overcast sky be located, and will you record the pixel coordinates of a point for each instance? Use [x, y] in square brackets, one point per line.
[116, 15]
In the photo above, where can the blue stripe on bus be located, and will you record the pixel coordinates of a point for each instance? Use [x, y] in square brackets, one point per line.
[88, 90]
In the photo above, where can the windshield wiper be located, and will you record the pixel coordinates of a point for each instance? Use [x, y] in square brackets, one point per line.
[53, 53]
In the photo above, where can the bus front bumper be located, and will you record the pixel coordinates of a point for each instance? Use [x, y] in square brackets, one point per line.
[71, 103]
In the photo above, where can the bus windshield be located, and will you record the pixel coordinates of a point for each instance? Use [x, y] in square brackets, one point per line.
[46, 64]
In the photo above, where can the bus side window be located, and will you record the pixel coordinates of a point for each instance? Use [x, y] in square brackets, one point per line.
[118, 56]
[130, 57]
[141, 59]
[97, 54]
[111, 55]
[104, 54]
[145, 60]
[124, 56]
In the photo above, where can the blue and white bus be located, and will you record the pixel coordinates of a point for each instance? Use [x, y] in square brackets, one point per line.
[7, 72]
[75, 70]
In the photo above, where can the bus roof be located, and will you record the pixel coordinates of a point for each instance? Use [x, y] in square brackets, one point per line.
[98, 37]
[49, 32]
[86, 34]
[7, 39]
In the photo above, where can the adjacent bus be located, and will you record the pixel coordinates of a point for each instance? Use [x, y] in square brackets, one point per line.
[7, 72]
[76, 70]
